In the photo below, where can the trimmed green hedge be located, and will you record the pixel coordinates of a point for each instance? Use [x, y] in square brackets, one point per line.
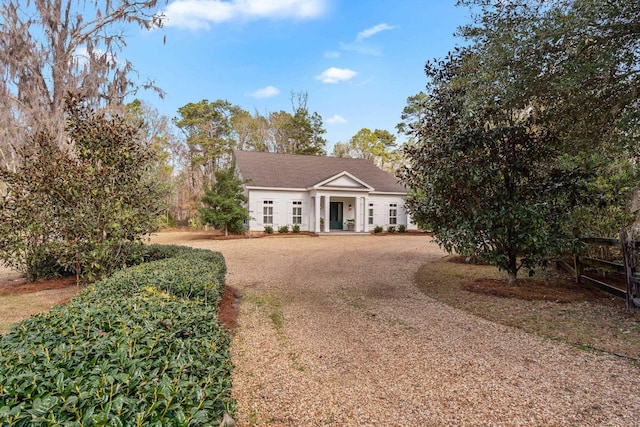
[143, 347]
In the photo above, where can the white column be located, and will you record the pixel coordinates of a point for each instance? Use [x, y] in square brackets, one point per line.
[365, 222]
[356, 212]
[327, 204]
[316, 213]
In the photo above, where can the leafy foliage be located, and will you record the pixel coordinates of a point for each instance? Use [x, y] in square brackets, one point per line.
[143, 347]
[268, 229]
[283, 229]
[518, 131]
[576, 62]
[224, 203]
[483, 174]
[79, 208]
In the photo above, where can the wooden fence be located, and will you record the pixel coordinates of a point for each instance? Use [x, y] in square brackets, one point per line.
[626, 266]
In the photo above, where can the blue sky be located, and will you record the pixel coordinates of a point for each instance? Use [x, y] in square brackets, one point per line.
[358, 60]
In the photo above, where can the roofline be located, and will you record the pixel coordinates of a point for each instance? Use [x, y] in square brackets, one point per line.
[391, 193]
[305, 190]
[257, 187]
[339, 174]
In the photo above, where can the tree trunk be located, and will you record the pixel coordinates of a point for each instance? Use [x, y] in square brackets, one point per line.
[512, 268]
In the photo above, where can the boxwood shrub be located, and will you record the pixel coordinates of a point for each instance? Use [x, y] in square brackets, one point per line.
[143, 347]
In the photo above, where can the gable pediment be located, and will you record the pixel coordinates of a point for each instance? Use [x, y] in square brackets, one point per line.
[343, 181]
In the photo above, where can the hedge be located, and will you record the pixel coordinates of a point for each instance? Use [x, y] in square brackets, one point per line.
[143, 347]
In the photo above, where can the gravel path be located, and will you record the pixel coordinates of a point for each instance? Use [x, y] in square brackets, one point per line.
[332, 331]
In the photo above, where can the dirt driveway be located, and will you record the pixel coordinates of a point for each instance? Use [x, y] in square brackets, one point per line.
[332, 331]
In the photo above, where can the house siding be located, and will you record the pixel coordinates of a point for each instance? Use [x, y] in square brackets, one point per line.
[283, 208]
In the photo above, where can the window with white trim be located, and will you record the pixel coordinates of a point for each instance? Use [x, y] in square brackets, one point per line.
[267, 212]
[297, 212]
[370, 214]
[393, 213]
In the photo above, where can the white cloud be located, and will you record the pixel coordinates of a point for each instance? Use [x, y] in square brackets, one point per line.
[360, 48]
[336, 119]
[199, 14]
[266, 92]
[373, 31]
[332, 54]
[335, 75]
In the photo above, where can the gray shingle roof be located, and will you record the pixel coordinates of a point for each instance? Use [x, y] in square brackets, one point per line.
[297, 171]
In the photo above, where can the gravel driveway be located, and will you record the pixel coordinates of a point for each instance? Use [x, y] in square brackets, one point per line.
[333, 331]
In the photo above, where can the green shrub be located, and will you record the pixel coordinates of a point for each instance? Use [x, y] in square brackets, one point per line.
[377, 229]
[284, 229]
[143, 347]
[268, 229]
[391, 229]
[295, 228]
[76, 205]
[402, 228]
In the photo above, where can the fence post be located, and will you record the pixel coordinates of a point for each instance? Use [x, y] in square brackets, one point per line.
[628, 243]
[577, 267]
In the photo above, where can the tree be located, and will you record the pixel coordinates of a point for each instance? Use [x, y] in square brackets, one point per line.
[209, 135]
[373, 146]
[577, 62]
[412, 115]
[50, 48]
[520, 129]
[156, 133]
[224, 203]
[83, 205]
[484, 176]
[297, 133]
[341, 149]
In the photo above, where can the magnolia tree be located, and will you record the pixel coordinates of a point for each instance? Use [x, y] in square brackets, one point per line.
[534, 121]
[80, 208]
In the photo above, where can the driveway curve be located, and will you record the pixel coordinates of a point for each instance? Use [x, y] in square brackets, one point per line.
[333, 331]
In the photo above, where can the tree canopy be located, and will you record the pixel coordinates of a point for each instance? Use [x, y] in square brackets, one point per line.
[501, 136]
[50, 48]
[79, 208]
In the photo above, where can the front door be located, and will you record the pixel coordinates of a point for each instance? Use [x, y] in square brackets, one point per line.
[335, 216]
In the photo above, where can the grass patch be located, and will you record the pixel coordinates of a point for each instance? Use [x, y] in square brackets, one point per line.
[551, 305]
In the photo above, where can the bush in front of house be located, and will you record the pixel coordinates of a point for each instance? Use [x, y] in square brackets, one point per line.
[284, 229]
[377, 229]
[402, 228]
[295, 228]
[268, 229]
[143, 347]
[391, 229]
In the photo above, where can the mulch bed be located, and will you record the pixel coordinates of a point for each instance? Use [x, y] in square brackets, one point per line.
[562, 291]
[21, 286]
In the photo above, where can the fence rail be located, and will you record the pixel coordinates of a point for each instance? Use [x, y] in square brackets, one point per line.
[629, 246]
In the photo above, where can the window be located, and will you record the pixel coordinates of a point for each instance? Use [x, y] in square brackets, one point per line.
[370, 213]
[393, 213]
[297, 212]
[267, 212]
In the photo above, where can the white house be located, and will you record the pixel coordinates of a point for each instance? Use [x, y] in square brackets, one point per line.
[319, 194]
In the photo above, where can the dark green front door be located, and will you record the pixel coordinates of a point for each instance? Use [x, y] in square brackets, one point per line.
[335, 216]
